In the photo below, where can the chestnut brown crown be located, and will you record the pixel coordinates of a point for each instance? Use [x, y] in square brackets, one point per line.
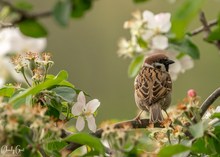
[159, 58]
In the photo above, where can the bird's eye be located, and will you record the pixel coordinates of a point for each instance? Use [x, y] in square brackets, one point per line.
[158, 66]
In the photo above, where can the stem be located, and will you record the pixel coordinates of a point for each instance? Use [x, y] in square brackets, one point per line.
[168, 136]
[23, 73]
[46, 71]
[42, 152]
[179, 139]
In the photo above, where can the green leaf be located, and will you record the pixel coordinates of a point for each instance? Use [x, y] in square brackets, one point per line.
[217, 131]
[23, 5]
[79, 7]
[200, 146]
[135, 66]
[206, 145]
[171, 150]
[216, 115]
[55, 103]
[86, 139]
[38, 88]
[62, 83]
[52, 111]
[184, 15]
[55, 145]
[32, 28]
[141, 42]
[7, 91]
[214, 35]
[197, 130]
[186, 46]
[66, 93]
[139, 1]
[62, 12]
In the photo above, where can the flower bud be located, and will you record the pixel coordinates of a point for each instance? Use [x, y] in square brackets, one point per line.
[191, 93]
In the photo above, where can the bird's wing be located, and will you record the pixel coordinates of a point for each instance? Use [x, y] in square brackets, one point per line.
[162, 86]
[152, 85]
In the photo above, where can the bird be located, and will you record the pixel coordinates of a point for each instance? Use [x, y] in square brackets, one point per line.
[153, 86]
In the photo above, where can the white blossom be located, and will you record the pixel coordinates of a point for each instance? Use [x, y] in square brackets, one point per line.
[135, 24]
[159, 42]
[152, 29]
[156, 26]
[180, 66]
[125, 48]
[159, 22]
[85, 111]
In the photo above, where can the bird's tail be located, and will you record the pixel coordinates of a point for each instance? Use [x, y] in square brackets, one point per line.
[156, 113]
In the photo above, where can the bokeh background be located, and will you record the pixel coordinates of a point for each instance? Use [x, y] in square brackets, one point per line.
[87, 50]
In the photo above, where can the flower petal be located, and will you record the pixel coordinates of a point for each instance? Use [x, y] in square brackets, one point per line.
[186, 63]
[91, 123]
[160, 42]
[148, 34]
[77, 108]
[163, 22]
[81, 98]
[148, 16]
[92, 106]
[175, 69]
[217, 110]
[2, 81]
[80, 123]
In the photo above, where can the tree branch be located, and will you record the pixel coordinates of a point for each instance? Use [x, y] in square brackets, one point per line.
[209, 101]
[201, 28]
[131, 124]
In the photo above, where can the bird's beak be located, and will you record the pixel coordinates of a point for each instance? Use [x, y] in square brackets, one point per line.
[168, 62]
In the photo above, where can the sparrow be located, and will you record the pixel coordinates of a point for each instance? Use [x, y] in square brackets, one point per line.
[153, 87]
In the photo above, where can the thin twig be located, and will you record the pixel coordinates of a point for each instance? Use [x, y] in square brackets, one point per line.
[207, 29]
[201, 28]
[204, 22]
[23, 15]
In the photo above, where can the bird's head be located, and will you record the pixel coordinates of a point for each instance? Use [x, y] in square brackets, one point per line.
[159, 61]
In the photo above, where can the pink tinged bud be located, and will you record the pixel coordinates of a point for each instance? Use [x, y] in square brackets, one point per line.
[191, 93]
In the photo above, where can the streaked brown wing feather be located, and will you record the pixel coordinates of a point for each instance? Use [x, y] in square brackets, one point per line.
[152, 86]
[162, 86]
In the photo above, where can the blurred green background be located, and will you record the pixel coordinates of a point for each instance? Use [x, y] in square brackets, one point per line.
[87, 50]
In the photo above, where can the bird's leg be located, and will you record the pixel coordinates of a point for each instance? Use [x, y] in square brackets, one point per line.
[167, 114]
[137, 118]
